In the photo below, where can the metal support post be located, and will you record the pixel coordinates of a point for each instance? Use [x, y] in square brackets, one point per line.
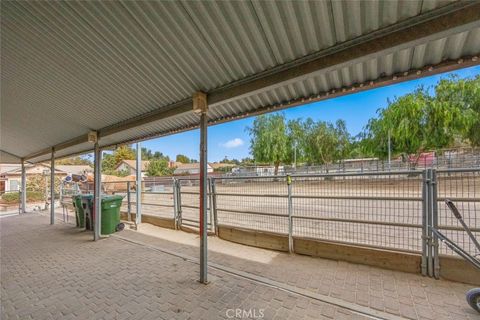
[290, 211]
[97, 192]
[436, 260]
[138, 198]
[203, 198]
[24, 189]
[129, 203]
[52, 188]
[200, 106]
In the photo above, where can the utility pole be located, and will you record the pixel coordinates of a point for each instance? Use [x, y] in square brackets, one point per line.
[295, 156]
[389, 150]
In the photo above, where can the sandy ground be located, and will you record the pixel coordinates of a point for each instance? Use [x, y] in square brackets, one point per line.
[378, 211]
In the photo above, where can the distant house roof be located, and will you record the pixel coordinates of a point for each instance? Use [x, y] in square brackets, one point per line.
[174, 164]
[190, 166]
[34, 169]
[6, 167]
[133, 164]
[218, 165]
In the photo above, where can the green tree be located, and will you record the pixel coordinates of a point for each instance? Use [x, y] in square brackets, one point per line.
[74, 161]
[269, 141]
[325, 142]
[108, 164]
[146, 153]
[159, 155]
[182, 158]
[158, 167]
[461, 99]
[296, 140]
[419, 121]
[123, 153]
[110, 161]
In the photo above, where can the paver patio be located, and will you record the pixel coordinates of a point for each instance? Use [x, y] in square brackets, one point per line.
[57, 272]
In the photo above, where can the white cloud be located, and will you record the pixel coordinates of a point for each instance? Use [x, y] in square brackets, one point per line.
[234, 143]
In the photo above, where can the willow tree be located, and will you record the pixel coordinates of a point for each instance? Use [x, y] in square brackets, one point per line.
[461, 99]
[420, 121]
[326, 142]
[269, 142]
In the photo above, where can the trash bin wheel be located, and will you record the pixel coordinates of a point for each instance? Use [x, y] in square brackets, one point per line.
[473, 298]
[120, 226]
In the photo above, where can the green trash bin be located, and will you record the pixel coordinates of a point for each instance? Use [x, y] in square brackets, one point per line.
[79, 201]
[111, 214]
[77, 204]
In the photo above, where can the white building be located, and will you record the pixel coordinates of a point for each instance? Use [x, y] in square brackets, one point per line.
[190, 168]
[130, 166]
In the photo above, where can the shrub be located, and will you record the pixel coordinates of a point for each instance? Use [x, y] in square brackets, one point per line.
[14, 197]
[10, 197]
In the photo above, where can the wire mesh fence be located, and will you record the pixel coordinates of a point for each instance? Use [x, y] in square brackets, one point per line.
[258, 203]
[157, 197]
[189, 203]
[379, 210]
[374, 209]
[462, 186]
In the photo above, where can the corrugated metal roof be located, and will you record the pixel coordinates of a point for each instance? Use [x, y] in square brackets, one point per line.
[73, 66]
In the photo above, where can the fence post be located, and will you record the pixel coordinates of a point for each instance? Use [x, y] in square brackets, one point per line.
[129, 204]
[213, 205]
[434, 221]
[425, 224]
[429, 224]
[175, 204]
[290, 209]
[179, 204]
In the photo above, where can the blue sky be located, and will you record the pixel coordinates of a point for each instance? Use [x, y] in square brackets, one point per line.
[232, 140]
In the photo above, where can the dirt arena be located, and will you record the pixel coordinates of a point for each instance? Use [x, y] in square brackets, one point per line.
[375, 210]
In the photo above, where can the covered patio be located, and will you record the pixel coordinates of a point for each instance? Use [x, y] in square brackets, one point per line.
[84, 76]
[52, 272]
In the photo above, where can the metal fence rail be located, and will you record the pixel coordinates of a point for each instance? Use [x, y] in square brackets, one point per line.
[258, 203]
[388, 210]
[463, 188]
[157, 197]
[188, 204]
[379, 210]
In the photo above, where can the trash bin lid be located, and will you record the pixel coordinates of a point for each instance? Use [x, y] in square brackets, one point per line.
[113, 198]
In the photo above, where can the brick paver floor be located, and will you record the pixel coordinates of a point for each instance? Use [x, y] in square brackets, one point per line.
[399, 293]
[57, 272]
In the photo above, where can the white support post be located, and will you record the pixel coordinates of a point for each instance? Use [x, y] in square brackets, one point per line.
[24, 188]
[200, 106]
[52, 188]
[97, 192]
[138, 198]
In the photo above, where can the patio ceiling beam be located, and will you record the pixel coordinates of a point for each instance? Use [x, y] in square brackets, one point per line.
[458, 17]
[453, 18]
[444, 66]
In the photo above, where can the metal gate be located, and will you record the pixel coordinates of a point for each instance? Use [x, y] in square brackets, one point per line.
[187, 204]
